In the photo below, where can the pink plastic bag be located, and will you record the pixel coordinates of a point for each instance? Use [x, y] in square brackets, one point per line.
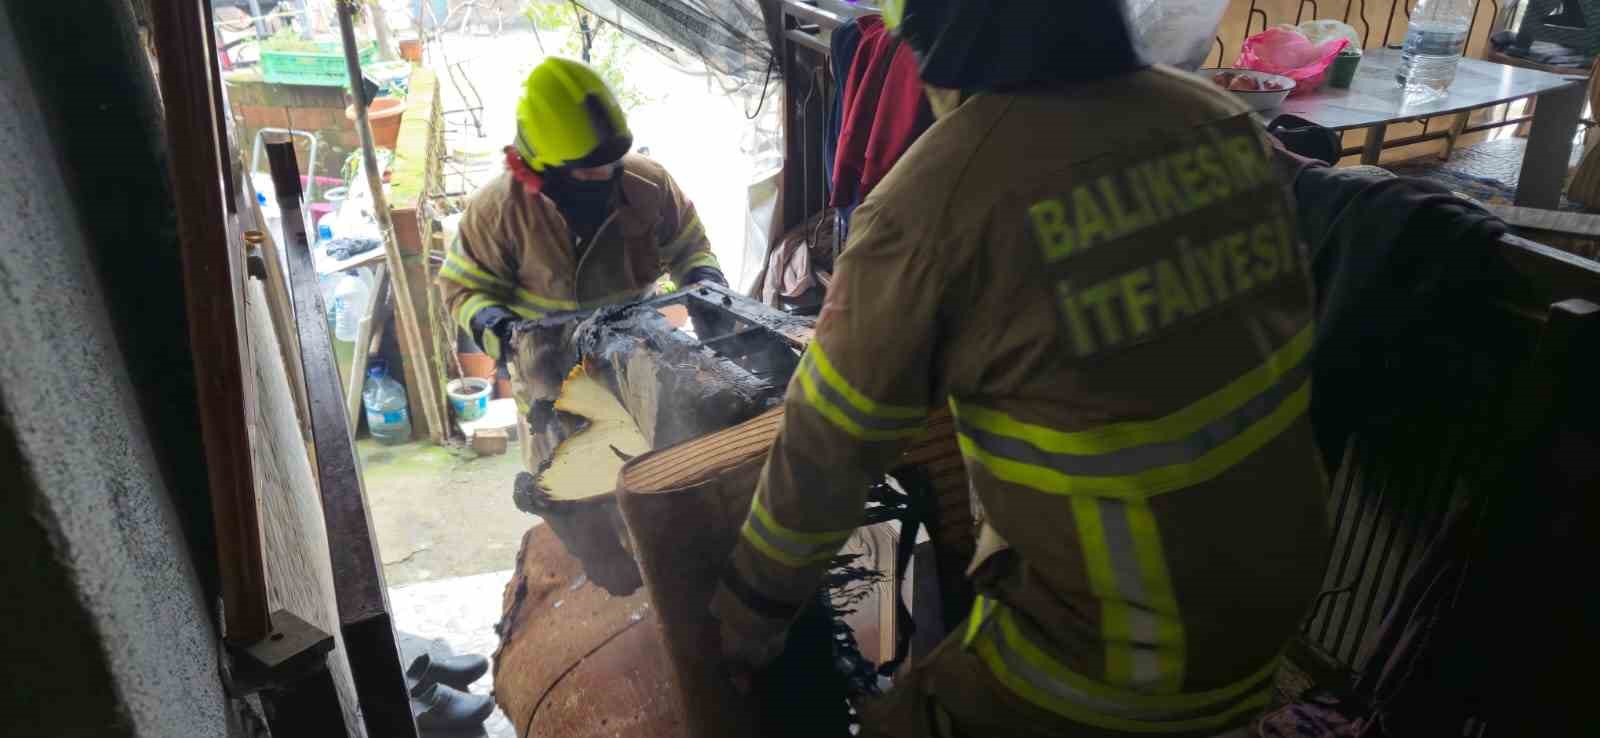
[1285, 51]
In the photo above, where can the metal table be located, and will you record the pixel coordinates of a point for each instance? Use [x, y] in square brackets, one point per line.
[1375, 100]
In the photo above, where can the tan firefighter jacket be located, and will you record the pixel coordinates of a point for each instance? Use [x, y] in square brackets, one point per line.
[513, 248]
[1104, 284]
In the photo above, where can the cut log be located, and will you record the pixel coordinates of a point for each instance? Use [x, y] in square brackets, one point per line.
[586, 463]
[576, 662]
[643, 384]
[572, 489]
[705, 486]
[684, 506]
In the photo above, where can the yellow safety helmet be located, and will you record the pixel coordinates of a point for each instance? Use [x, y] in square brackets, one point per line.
[568, 118]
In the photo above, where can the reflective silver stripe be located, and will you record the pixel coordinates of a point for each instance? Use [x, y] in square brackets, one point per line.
[1037, 676]
[797, 550]
[867, 422]
[1136, 459]
[1136, 605]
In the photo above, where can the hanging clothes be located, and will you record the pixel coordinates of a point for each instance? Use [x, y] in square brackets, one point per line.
[883, 112]
[842, 52]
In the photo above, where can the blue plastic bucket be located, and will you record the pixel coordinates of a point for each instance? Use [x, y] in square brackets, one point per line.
[469, 397]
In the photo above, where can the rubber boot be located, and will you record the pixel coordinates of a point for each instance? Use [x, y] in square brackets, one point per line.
[453, 671]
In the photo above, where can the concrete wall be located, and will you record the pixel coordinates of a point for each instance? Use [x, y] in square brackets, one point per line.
[109, 630]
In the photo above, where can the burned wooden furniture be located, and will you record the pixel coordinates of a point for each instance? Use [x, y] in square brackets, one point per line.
[706, 394]
[673, 383]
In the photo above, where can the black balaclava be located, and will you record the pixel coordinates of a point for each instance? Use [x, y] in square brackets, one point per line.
[585, 204]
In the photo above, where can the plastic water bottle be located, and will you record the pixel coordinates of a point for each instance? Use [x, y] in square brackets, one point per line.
[1434, 42]
[326, 284]
[385, 402]
[350, 298]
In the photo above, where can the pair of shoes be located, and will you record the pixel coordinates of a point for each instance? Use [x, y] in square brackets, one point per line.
[454, 671]
[439, 696]
[439, 707]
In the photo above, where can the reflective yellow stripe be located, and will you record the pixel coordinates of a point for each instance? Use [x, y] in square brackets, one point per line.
[788, 546]
[701, 259]
[1182, 423]
[470, 307]
[1186, 448]
[861, 402]
[981, 609]
[491, 345]
[1027, 669]
[1170, 642]
[830, 400]
[540, 302]
[1139, 620]
[1152, 482]
[461, 269]
[692, 231]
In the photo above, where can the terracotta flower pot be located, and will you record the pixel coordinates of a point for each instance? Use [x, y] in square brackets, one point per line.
[384, 115]
[411, 50]
[477, 365]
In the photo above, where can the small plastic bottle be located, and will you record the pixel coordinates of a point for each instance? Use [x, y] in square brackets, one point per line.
[388, 419]
[350, 298]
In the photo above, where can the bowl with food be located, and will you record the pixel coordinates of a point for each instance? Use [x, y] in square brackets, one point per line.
[1259, 90]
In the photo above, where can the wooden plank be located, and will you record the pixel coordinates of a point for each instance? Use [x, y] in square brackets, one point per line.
[213, 277]
[363, 347]
[294, 533]
[360, 592]
[1553, 274]
[1559, 221]
[277, 290]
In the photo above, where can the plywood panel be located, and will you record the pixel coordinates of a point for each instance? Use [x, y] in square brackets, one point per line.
[295, 539]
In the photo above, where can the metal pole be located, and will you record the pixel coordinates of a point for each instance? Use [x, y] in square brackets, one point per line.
[261, 23]
[306, 30]
[421, 376]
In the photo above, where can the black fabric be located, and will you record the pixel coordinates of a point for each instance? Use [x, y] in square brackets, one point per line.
[1540, 52]
[1389, 257]
[757, 602]
[1305, 138]
[705, 274]
[978, 45]
[843, 44]
[585, 204]
[496, 320]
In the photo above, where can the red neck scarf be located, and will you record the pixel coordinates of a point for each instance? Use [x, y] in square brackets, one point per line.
[531, 181]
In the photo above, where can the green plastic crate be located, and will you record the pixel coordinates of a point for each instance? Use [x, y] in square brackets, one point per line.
[324, 67]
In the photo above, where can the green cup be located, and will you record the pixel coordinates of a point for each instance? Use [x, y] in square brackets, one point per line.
[1343, 70]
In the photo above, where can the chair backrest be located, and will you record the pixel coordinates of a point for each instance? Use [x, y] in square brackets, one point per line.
[1519, 374]
[1584, 188]
[1572, 24]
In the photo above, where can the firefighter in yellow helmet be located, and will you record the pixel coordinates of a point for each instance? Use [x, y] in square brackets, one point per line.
[1089, 259]
[575, 222]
